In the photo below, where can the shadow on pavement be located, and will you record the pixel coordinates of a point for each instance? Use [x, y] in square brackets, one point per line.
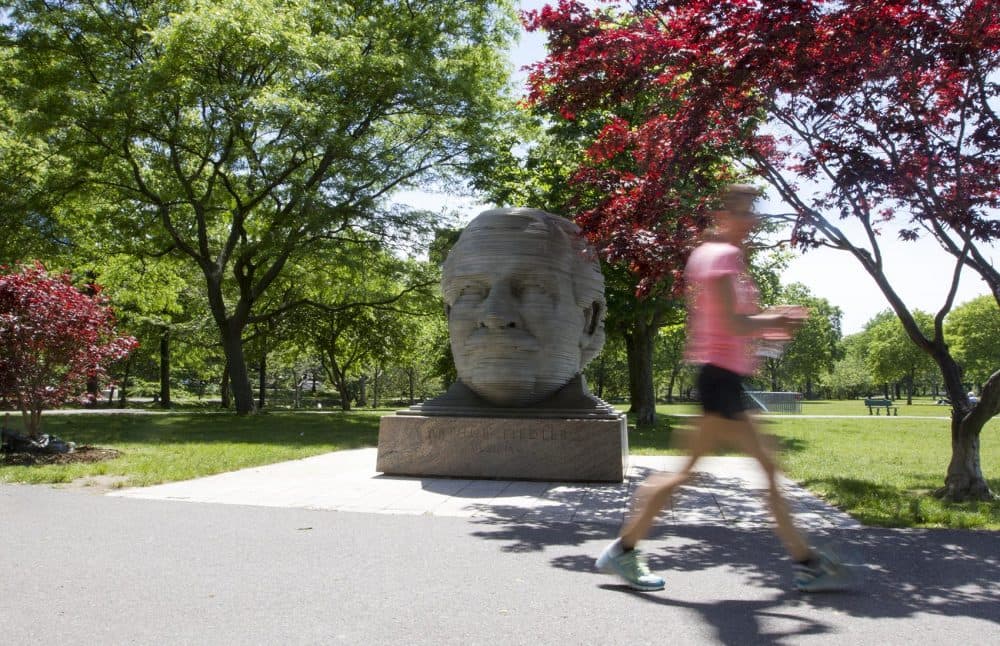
[738, 621]
[903, 572]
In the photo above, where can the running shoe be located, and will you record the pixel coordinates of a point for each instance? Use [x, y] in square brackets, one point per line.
[825, 573]
[630, 565]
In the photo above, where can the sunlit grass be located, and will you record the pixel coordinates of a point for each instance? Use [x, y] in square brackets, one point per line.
[163, 448]
[882, 471]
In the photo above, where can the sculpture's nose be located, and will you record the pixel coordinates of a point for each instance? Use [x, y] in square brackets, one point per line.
[499, 309]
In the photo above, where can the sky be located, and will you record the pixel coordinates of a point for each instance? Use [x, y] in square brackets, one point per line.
[919, 271]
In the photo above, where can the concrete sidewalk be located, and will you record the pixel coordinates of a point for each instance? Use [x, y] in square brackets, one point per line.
[725, 491]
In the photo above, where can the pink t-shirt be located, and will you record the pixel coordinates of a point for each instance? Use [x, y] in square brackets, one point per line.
[710, 338]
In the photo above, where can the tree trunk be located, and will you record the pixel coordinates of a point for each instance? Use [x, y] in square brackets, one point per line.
[93, 387]
[224, 393]
[262, 382]
[165, 368]
[92, 392]
[344, 388]
[297, 395]
[239, 376]
[363, 390]
[339, 380]
[32, 422]
[231, 333]
[964, 479]
[411, 378]
[123, 391]
[639, 349]
[670, 384]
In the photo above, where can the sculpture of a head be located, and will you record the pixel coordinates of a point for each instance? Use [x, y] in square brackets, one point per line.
[525, 301]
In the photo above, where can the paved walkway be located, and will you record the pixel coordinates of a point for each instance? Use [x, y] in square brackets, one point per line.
[725, 491]
[253, 557]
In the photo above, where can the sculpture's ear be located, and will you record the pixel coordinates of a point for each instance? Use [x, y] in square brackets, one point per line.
[593, 316]
[592, 337]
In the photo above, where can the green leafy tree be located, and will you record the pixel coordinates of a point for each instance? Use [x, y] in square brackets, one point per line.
[974, 331]
[669, 358]
[893, 357]
[157, 301]
[812, 352]
[243, 134]
[26, 231]
[356, 309]
[608, 374]
[413, 358]
[851, 376]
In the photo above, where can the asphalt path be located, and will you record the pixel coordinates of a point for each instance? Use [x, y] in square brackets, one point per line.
[79, 568]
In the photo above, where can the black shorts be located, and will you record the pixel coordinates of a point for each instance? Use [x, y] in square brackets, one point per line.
[721, 392]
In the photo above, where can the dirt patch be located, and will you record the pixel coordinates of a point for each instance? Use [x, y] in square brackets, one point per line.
[82, 454]
[96, 484]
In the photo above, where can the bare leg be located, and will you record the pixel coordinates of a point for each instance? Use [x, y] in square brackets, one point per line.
[749, 440]
[713, 432]
[655, 492]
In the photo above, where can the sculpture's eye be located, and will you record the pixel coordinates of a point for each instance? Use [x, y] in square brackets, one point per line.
[474, 291]
[530, 289]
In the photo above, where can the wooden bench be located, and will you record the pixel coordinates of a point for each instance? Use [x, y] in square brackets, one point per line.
[879, 404]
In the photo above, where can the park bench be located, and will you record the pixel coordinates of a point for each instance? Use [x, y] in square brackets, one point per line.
[879, 404]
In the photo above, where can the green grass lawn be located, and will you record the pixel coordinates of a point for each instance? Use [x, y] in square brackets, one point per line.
[921, 407]
[179, 446]
[880, 470]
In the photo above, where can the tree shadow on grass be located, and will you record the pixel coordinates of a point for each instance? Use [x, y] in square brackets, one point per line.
[789, 444]
[651, 439]
[887, 506]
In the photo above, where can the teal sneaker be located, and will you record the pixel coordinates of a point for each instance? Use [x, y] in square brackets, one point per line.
[826, 573]
[630, 566]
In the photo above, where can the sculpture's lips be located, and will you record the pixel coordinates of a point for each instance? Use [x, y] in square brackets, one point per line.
[498, 342]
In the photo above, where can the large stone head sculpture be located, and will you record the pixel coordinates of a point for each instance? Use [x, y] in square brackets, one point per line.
[525, 301]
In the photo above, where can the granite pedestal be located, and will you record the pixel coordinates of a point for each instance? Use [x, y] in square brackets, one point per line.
[508, 448]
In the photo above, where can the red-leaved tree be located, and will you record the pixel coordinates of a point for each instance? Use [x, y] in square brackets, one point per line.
[861, 114]
[643, 223]
[53, 338]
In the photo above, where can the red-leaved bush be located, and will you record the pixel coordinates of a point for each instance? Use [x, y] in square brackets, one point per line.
[53, 338]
